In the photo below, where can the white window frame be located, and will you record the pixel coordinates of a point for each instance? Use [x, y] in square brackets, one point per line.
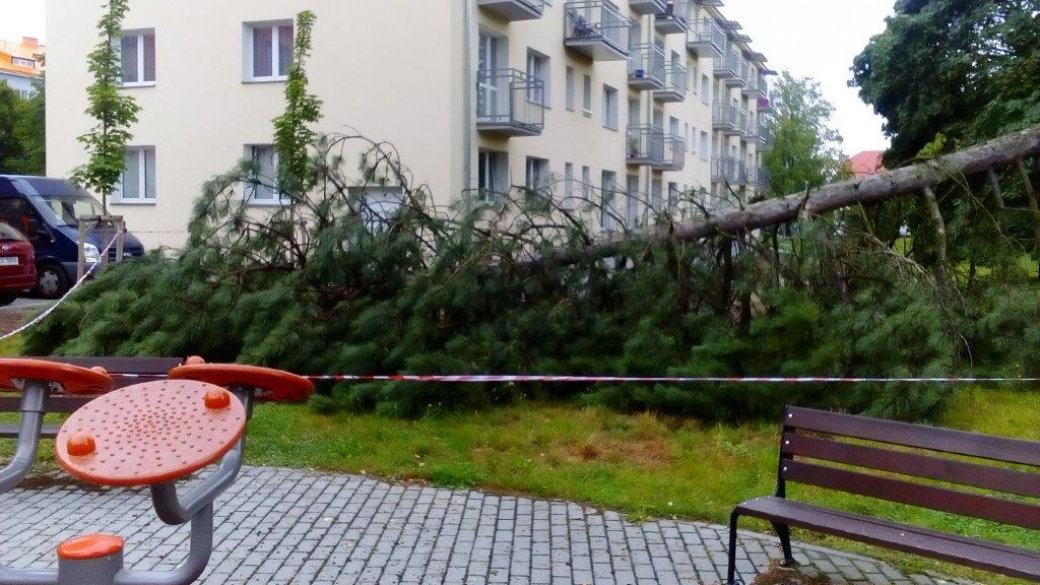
[705, 145]
[610, 107]
[252, 151]
[705, 90]
[139, 40]
[568, 186]
[537, 177]
[569, 89]
[586, 97]
[23, 62]
[586, 183]
[144, 195]
[538, 67]
[491, 179]
[249, 30]
[608, 214]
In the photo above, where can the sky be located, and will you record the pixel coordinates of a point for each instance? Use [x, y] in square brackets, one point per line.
[819, 39]
[809, 38]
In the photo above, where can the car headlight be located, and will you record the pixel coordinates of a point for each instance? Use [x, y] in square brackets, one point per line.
[90, 253]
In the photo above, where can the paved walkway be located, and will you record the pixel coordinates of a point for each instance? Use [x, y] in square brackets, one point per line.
[284, 526]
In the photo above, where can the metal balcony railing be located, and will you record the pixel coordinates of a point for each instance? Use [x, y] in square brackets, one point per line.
[724, 117]
[512, 10]
[644, 144]
[676, 83]
[706, 39]
[597, 29]
[510, 102]
[728, 169]
[765, 137]
[644, 7]
[672, 20]
[674, 153]
[646, 66]
[737, 66]
[727, 66]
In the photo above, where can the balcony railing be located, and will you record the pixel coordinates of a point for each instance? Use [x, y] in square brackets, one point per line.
[644, 145]
[676, 82]
[511, 10]
[727, 66]
[706, 39]
[765, 137]
[728, 169]
[646, 66]
[742, 121]
[674, 153]
[724, 117]
[597, 29]
[644, 7]
[764, 104]
[510, 102]
[672, 20]
[738, 65]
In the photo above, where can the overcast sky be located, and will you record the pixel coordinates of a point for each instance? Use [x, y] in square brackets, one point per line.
[809, 38]
[819, 39]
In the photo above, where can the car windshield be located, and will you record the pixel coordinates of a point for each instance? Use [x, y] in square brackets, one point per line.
[8, 233]
[70, 209]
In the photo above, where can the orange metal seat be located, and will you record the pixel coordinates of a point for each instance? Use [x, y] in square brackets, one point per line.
[90, 546]
[73, 379]
[272, 385]
[150, 433]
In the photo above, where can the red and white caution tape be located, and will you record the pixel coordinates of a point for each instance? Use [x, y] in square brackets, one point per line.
[71, 290]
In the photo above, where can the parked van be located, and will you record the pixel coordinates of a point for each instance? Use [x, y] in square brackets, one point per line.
[47, 211]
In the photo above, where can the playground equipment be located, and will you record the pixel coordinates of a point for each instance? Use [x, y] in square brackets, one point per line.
[153, 434]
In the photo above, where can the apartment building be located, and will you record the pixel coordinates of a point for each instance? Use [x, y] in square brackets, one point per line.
[20, 66]
[633, 106]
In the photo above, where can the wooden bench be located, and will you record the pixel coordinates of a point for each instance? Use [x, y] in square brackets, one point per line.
[968, 474]
[125, 372]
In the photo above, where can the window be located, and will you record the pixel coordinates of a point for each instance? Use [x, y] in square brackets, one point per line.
[607, 215]
[537, 177]
[704, 145]
[693, 78]
[631, 200]
[137, 50]
[569, 80]
[673, 196]
[610, 107]
[656, 195]
[586, 183]
[269, 48]
[23, 62]
[263, 189]
[586, 96]
[492, 173]
[705, 90]
[568, 186]
[137, 184]
[538, 68]
[379, 204]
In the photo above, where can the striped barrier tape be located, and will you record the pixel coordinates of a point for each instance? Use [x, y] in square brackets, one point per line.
[58, 303]
[483, 379]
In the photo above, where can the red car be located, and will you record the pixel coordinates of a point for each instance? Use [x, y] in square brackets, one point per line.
[17, 264]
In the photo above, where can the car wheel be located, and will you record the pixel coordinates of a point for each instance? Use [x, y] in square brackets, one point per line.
[51, 281]
[7, 297]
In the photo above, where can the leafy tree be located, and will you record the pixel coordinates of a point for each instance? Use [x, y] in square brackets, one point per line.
[966, 69]
[31, 132]
[10, 146]
[115, 112]
[806, 151]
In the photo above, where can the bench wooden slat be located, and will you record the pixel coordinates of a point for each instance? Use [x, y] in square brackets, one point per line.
[911, 435]
[996, 557]
[916, 494]
[1012, 481]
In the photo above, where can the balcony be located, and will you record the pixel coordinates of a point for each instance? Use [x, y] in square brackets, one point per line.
[511, 10]
[646, 67]
[510, 103]
[739, 66]
[675, 84]
[644, 7]
[672, 20]
[724, 119]
[715, 3]
[644, 145]
[596, 29]
[764, 104]
[706, 39]
[742, 122]
[674, 154]
[729, 170]
[765, 138]
[757, 87]
[727, 66]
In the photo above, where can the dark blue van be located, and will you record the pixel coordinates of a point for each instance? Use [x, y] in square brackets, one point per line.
[47, 211]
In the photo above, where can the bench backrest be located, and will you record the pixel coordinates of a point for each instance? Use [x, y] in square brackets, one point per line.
[912, 464]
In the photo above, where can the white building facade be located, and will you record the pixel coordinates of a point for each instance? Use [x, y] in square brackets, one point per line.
[633, 105]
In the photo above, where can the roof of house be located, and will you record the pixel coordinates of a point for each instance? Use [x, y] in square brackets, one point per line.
[16, 55]
[867, 162]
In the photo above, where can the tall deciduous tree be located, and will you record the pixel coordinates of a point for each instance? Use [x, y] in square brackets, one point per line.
[10, 146]
[31, 132]
[293, 136]
[966, 69]
[805, 152]
[114, 112]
